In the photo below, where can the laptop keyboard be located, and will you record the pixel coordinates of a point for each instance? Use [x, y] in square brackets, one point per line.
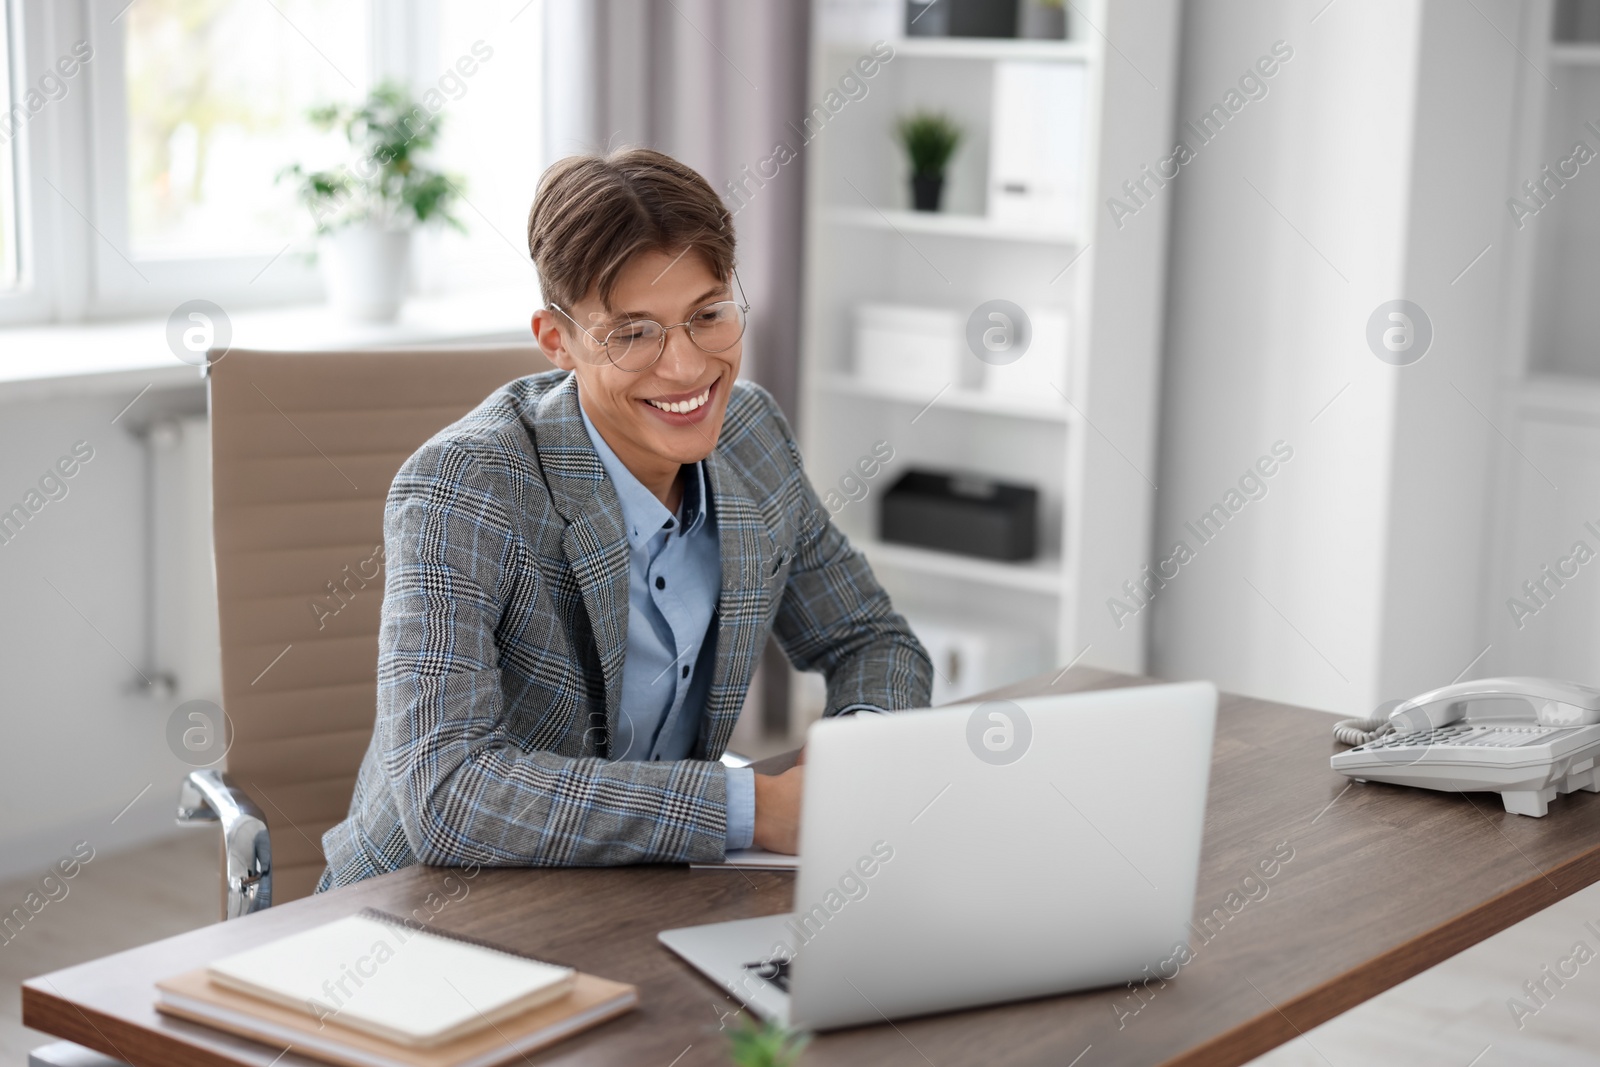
[775, 971]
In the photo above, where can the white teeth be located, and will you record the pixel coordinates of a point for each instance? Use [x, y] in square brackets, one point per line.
[683, 407]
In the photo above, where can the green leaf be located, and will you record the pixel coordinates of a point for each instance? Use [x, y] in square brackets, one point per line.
[385, 177]
[930, 138]
[755, 1044]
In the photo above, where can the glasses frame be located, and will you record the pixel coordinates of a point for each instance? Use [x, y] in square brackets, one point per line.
[604, 345]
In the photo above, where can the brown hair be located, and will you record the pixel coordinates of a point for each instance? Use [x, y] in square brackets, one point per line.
[594, 213]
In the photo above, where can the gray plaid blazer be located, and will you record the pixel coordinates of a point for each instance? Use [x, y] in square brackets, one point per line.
[503, 634]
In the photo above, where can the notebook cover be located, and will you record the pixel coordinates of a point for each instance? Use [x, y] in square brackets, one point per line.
[439, 986]
[509, 1039]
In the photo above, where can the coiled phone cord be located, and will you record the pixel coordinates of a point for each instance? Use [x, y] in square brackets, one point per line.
[1360, 731]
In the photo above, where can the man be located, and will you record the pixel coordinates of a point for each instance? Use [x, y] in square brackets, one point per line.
[583, 571]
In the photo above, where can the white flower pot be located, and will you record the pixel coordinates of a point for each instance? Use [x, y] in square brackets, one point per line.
[365, 268]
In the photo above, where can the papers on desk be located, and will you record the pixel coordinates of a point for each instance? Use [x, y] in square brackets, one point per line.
[372, 990]
[753, 857]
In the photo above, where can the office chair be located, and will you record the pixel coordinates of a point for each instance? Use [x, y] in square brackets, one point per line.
[303, 448]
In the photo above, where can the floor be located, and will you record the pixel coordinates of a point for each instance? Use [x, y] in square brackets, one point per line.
[113, 903]
[1455, 1015]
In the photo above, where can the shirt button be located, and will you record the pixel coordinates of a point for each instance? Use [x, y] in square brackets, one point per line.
[661, 583]
[686, 670]
[667, 525]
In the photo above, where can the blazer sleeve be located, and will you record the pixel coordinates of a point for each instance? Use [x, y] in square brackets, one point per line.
[835, 618]
[467, 787]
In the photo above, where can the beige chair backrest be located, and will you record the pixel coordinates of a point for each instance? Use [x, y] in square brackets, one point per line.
[303, 448]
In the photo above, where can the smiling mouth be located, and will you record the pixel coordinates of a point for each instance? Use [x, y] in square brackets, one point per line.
[683, 407]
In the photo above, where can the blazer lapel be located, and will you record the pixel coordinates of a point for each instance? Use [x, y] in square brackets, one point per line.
[595, 545]
[595, 542]
[747, 554]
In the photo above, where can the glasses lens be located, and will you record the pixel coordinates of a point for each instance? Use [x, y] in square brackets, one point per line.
[635, 345]
[717, 327]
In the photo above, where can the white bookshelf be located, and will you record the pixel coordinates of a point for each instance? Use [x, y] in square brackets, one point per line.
[1075, 51]
[1049, 408]
[1551, 402]
[942, 224]
[1088, 442]
[1040, 576]
[1575, 55]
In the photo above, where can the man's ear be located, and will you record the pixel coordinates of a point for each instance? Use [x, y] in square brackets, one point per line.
[547, 333]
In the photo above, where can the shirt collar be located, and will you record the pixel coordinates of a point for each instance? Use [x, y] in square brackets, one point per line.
[643, 514]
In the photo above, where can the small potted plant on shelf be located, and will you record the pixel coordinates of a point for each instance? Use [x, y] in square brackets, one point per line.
[754, 1044]
[929, 139]
[366, 208]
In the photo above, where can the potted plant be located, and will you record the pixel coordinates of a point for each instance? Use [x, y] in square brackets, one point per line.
[366, 208]
[755, 1044]
[930, 139]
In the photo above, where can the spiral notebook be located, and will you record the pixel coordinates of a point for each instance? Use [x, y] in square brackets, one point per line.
[374, 990]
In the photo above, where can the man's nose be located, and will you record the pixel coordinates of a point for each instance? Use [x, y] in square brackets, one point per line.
[682, 359]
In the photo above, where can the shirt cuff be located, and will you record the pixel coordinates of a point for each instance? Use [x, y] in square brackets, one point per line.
[741, 806]
[851, 709]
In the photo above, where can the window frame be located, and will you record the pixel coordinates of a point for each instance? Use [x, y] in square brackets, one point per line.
[231, 280]
[73, 241]
[41, 252]
[11, 23]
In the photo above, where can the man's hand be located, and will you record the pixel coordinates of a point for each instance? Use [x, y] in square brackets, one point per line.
[778, 810]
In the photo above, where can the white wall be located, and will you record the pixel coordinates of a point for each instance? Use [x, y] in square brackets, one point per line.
[1369, 173]
[80, 739]
[1435, 617]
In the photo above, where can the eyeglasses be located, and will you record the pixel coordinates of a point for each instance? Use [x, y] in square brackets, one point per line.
[638, 343]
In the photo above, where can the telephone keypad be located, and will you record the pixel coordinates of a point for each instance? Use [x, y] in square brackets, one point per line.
[1499, 735]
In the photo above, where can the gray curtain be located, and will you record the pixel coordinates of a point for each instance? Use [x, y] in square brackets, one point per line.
[718, 84]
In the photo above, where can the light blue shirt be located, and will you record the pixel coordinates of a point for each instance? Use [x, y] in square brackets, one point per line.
[674, 576]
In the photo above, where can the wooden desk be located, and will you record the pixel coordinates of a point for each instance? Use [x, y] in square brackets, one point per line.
[1383, 883]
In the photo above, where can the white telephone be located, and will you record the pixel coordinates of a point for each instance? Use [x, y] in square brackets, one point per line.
[1539, 737]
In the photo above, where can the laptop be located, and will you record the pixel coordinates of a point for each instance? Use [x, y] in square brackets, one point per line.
[977, 854]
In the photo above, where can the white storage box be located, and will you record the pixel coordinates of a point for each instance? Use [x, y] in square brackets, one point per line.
[971, 658]
[900, 346]
[1042, 369]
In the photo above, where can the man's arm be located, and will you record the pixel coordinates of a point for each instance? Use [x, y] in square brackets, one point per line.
[836, 618]
[468, 787]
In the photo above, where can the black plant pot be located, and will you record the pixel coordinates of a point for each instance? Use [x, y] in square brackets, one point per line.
[926, 189]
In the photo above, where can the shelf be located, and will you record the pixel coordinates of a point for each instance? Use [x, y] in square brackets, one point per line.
[991, 48]
[1035, 576]
[939, 224]
[953, 398]
[1575, 54]
[1564, 394]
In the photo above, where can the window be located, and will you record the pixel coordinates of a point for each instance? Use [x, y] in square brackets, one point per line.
[207, 135]
[491, 137]
[149, 177]
[10, 124]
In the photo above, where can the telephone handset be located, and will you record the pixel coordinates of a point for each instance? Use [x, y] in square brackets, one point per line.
[1527, 739]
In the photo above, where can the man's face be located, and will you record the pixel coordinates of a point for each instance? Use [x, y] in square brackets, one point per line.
[628, 408]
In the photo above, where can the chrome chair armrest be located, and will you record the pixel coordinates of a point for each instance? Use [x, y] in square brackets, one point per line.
[730, 758]
[208, 796]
